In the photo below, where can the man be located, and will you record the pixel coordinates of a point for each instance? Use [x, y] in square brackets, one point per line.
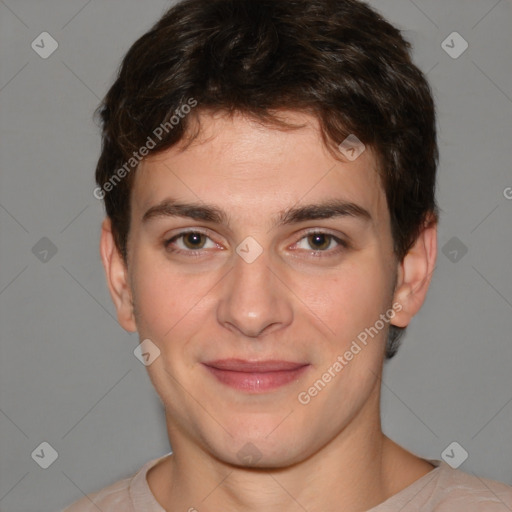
[268, 171]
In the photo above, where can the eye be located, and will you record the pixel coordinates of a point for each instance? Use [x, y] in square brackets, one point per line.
[194, 243]
[189, 242]
[318, 241]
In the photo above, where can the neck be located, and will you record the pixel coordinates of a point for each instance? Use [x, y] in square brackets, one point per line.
[360, 468]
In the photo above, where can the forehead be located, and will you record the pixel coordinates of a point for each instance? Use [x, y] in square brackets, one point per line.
[244, 166]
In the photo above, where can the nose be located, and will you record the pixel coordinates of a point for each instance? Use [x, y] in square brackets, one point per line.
[254, 300]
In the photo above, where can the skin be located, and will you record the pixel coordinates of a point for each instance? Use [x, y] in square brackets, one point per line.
[294, 303]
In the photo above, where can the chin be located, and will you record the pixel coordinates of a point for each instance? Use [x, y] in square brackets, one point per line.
[258, 455]
[261, 447]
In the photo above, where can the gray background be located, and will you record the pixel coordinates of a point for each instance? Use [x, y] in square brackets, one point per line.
[68, 374]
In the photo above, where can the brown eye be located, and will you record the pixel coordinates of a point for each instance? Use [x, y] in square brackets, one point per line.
[190, 243]
[194, 240]
[319, 241]
[321, 244]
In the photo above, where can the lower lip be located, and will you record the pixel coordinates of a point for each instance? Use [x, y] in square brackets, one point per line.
[256, 382]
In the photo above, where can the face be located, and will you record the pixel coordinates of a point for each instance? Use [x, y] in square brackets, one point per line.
[256, 260]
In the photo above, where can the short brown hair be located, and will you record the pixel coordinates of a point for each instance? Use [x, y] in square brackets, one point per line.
[338, 60]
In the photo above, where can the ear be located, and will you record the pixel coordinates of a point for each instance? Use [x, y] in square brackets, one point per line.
[415, 273]
[117, 277]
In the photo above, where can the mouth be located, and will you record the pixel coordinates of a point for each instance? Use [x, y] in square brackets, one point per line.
[255, 376]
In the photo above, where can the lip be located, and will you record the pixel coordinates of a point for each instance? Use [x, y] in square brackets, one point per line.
[255, 376]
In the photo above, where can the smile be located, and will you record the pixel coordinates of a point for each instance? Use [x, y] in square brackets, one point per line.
[255, 377]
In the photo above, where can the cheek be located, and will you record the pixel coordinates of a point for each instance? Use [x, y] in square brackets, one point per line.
[168, 304]
[352, 299]
[158, 298]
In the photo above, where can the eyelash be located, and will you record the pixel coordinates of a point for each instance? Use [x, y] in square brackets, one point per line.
[342, 244]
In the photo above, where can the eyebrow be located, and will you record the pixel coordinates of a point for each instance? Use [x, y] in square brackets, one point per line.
[209, 213]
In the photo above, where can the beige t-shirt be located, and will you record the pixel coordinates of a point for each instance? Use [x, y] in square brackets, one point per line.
[441, 490]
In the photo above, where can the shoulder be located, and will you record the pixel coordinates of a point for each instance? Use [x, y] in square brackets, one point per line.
[128, 495]
[445, 489]
[457, 490]
[113, 497]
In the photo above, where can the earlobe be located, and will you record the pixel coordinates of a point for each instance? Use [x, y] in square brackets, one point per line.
[415, 274]
[117, 278]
